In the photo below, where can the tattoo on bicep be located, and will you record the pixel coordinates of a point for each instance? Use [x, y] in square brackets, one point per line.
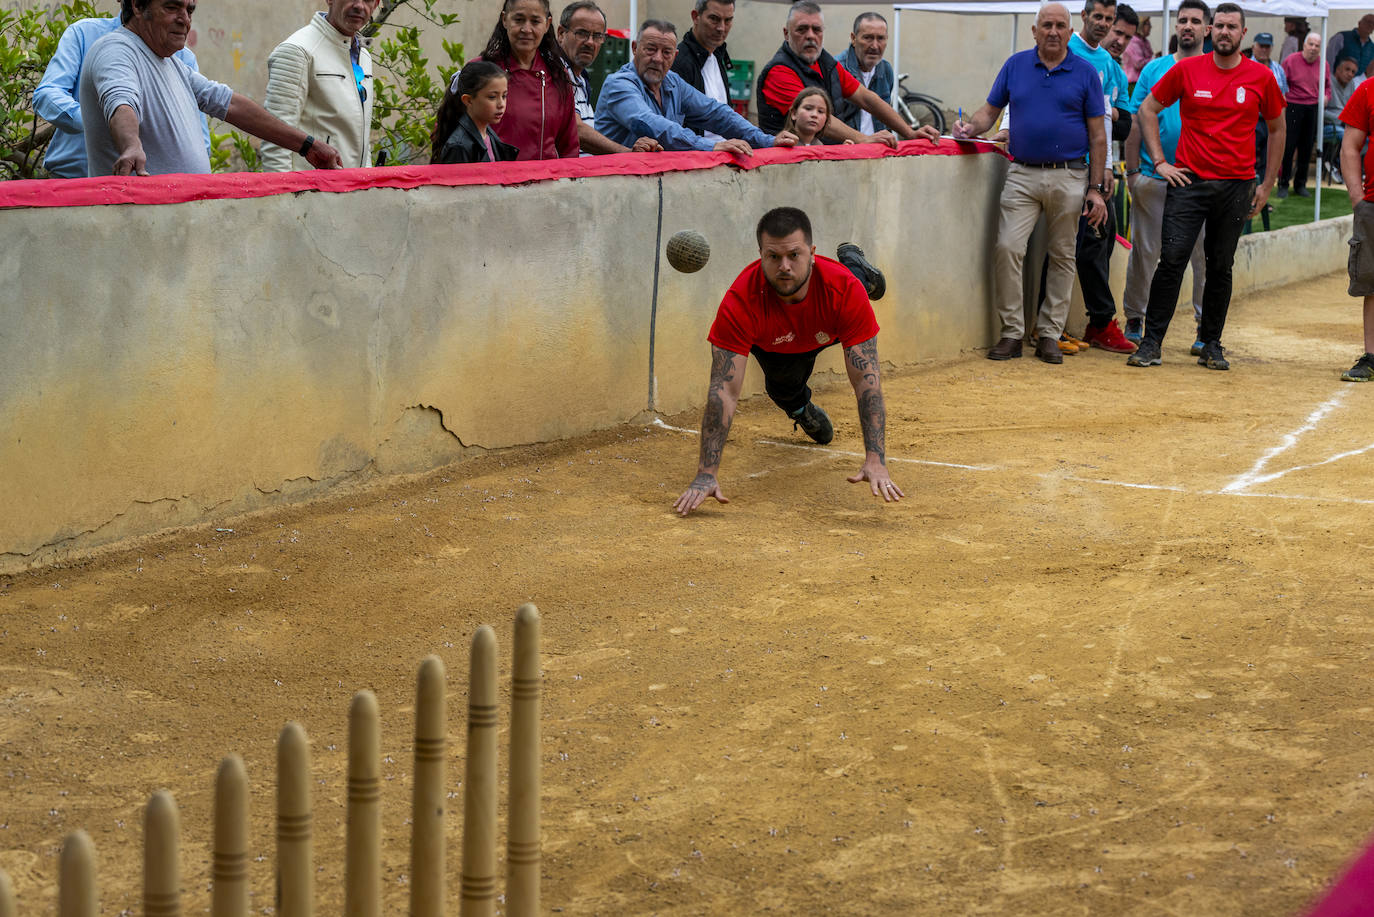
[873, 419]
[864, 360]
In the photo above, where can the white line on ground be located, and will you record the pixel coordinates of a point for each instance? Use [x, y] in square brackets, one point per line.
[1254, 475]
[770, 442]
[661, 424]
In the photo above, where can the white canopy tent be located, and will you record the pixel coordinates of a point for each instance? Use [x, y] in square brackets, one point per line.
[1016, 8]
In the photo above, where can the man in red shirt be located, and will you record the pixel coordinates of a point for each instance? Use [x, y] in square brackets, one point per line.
[802, 62]
[785, 309]
[1358, 118]
[1221, 96]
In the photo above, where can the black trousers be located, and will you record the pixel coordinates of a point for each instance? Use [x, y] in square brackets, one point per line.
[1302, 135]
[1221, 207]
[1093, 257]
[785, 376]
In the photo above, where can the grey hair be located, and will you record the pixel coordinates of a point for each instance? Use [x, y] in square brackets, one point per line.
[658, 25]
[865, 17]
[809, 7]
[566, 16]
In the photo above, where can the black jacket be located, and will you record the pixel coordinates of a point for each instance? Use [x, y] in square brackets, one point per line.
[770, 119]
[691, 57]
[465, 145]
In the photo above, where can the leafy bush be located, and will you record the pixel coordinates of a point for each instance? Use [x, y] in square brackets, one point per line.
[28, 40]
[406, 96]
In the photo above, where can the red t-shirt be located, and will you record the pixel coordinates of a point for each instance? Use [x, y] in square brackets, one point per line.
[783, 84]
[835, 308]
[1359, 114]
[1220, 110]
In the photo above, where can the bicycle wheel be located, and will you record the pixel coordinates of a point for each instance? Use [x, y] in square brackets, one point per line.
[924, 112]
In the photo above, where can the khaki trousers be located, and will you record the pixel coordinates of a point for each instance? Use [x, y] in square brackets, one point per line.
[1147, 224]
[1028, 193]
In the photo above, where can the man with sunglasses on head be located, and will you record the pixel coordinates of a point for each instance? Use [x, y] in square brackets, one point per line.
[320, 80]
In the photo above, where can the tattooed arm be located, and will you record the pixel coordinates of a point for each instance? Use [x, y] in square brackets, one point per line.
[861, 361]
[727, 379]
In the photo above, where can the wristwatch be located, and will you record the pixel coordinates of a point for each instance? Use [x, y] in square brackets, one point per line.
[1100, 188]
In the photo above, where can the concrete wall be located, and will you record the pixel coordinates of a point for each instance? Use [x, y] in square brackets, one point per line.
[163, 364]
[952, 57]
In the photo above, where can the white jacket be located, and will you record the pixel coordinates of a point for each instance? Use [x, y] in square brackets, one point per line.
[310, 85]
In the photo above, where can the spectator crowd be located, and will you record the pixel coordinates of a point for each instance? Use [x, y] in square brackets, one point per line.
[1206, 132]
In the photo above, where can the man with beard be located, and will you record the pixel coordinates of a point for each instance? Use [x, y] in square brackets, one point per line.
[785, 309]
[802, 62]
[1222, 94]
[1147, 188]
[645, 98]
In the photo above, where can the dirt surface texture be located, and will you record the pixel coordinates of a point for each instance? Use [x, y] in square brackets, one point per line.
[1110, 656]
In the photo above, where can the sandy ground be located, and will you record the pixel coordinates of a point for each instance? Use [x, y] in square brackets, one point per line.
[1111, 655]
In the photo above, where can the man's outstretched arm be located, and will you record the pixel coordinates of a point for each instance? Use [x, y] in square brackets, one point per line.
[861, 361]
[727, 379]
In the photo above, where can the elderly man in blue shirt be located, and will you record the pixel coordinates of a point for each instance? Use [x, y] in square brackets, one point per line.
[645, 98]
[1059, 151]
[56, 102]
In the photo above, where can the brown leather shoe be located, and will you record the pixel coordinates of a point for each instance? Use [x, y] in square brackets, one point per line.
[1047, 349]
[1005, 349]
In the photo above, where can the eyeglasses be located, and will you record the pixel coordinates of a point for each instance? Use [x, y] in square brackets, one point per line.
[584, 35]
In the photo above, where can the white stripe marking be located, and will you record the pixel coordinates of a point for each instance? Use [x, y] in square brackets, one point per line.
[1255, 474]
[770, 442]
[661, 424]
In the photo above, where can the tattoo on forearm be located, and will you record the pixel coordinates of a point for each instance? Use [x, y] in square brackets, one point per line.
[715, 426]
[873, 419]
[864, 359]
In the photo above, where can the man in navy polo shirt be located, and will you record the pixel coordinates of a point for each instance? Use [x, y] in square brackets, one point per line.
[1057, 106]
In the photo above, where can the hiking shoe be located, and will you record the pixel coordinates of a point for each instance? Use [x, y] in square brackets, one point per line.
[814, 422]
[1147, 354]
[1282, 192]
[1196, 349]
[1068, 346]
[852, 257]
[1109, 337]
[1135, 330]
[1213, 356]
[1362, 371]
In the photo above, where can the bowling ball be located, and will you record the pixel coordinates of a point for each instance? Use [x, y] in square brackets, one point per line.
[688, 251]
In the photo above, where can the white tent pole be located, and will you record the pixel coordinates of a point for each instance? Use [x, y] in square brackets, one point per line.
[1321, 122]
[896, 53]
[1168, 30]
[634, 18]
[1015, 26]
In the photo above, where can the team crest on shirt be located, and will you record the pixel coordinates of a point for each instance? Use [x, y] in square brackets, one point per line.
[1240, 94]
[822, 337]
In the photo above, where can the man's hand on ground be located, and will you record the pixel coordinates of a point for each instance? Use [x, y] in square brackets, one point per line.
[738, 147]
[646, 145]
[696, 493]
[875, 473]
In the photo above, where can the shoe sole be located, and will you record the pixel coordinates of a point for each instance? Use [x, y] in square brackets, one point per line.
[1115, 349]
[1143, 363]
[1346, 377]
[998, 356]
[1213, 364]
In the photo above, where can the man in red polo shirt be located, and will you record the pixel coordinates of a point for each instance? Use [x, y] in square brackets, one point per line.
[1221, 96]
[1358, 118]
[785, 309]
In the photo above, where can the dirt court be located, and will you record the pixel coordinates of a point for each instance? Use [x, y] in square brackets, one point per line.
[1111, 656]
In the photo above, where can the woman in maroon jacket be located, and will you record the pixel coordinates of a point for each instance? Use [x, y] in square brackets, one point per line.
[540, 120]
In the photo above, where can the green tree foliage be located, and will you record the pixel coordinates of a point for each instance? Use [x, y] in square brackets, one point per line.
[28, 40]
[407, 96]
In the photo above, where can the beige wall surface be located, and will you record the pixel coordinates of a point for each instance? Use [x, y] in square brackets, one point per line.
[953, 57]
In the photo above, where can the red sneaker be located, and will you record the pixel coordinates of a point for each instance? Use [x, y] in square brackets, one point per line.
[1109, 338]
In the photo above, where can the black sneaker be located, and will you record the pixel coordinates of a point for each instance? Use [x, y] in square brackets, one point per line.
[1146, 354]
[1362, 371]
[814, 423]
[1213, 356]
[852, 257]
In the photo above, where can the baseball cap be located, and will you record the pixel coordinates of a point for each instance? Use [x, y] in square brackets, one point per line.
[1264, 38]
